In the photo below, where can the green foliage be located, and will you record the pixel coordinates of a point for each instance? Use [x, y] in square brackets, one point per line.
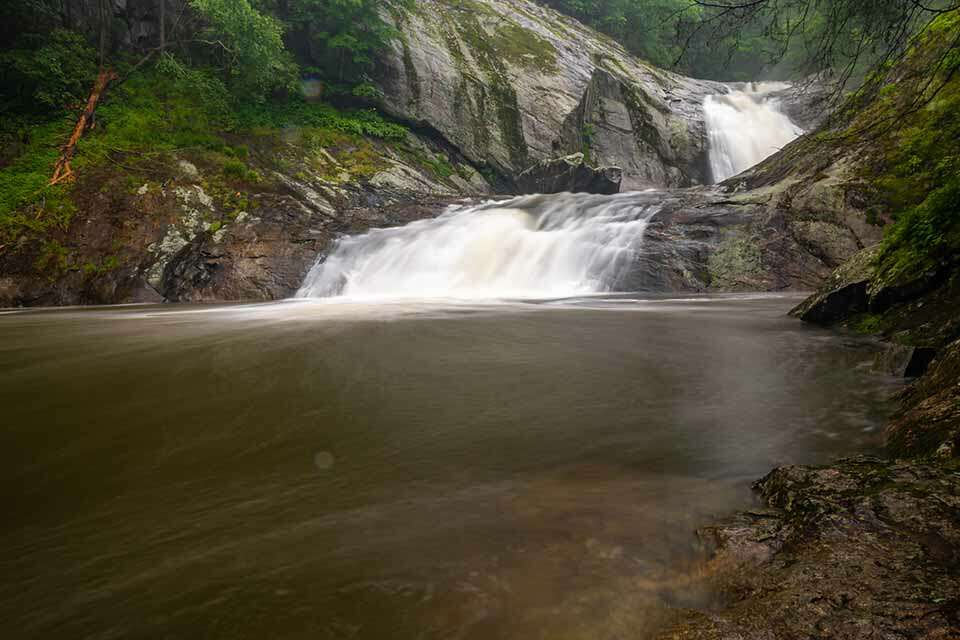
[924, 236]
[27, 202]
[249, 46]
[438, 165]
[342, 36]
[235, 169]
[918, 175]
[647, 28]
[586, 136]
[44, 74]
[157, 111]
[298, 112]
[91, 269]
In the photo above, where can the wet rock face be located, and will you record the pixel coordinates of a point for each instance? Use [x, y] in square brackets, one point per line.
[928, 423]
[511, 83]
[266, 254]
[864, 548]
[570, 173]
[704, 239]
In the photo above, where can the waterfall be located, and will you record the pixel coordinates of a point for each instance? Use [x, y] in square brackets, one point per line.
[746, 126]
[528, 247]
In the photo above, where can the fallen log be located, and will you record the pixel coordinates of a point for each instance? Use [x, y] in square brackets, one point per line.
[62, 171]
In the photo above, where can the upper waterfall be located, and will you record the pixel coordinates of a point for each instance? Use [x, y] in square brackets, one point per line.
[532, 246]
[746, 126]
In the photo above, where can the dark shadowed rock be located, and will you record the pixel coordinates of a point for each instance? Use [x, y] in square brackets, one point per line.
[844, 294]
[570, 173]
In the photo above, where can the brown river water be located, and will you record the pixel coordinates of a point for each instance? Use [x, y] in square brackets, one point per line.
[324, 470]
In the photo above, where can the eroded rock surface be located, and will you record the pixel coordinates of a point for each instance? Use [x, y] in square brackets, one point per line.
[865, 548]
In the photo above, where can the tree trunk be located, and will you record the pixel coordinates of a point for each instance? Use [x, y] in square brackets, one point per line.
[62, 171]
[103, 31]
[163, 24]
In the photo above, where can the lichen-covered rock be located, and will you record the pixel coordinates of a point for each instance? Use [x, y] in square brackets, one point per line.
[570, 173]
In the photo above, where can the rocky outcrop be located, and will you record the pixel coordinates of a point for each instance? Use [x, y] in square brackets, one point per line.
[193, 235]
[928, 422]
[865, 548]
[843, 294]
[704, 239]
[570, 173]
[511, 83]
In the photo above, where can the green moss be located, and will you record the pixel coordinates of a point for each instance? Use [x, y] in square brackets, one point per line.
[438, 165]
[867, 323]
[734, 261]
[296, 112]
[54, 259]
[106, 265]
[923, 237]
[498, 89]
[525, 48]
[586, 136]
[235, 169]
[915, 171]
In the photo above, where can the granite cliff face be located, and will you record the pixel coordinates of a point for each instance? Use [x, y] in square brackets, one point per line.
[511, 83]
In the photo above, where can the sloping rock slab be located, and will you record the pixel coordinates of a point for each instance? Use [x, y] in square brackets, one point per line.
[570, 173]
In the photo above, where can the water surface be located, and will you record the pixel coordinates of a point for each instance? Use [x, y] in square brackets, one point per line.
[409, 470]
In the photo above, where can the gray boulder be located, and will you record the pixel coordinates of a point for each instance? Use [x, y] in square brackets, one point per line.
[570, 173]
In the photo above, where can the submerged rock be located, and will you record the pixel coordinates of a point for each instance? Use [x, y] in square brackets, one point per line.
[570, 173]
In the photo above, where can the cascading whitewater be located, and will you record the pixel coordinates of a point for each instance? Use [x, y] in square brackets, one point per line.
[746, 126]
[532, 246]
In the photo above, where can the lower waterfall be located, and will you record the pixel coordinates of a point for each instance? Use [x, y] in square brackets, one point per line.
[528, 247]
[549, 246]
[746, 126]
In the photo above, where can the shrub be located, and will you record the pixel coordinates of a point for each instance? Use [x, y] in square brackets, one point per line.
[47, 73]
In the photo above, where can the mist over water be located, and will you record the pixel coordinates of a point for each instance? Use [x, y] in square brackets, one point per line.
[745, 127]
[529, 247]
